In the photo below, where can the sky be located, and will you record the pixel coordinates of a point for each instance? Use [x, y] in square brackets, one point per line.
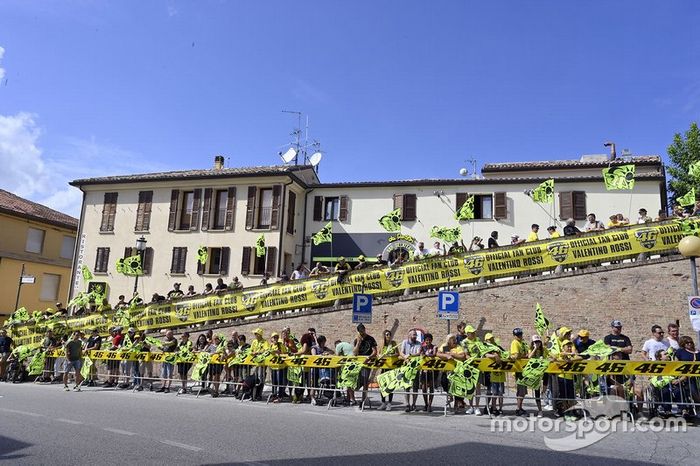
[392, 89]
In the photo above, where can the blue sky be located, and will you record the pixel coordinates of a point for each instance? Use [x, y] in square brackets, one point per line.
[393, 89]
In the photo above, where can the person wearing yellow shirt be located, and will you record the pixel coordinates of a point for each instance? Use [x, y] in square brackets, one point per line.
[277, 348]
[565, 382]
[533, 233]
[553, 233]
[518, 350]
[257, 347]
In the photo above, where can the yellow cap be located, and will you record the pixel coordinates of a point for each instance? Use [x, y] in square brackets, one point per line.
[274, 334]
[583, 333]
[488, 336]
[563, 331]
[469, 329]
[258, 331]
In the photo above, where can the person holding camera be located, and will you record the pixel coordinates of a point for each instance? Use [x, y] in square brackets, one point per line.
[476, 244]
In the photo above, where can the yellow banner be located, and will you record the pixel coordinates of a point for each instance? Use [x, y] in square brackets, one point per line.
[585, 367]
[534, 257]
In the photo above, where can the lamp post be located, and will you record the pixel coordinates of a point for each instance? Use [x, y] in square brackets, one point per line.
[141, 248]
[690, 247]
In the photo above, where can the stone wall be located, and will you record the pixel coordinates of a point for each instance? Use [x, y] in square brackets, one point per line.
[639, 294]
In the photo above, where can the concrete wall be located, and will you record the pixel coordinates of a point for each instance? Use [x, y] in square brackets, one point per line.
[639, 294]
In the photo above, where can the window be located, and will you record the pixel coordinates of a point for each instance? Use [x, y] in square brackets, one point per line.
[184, 210]
[109, 211]
[407, 204]
[67, 247]
[291, 210]
[101, 260]
[265, 208]
[331, 208]
[220, 204]
[483, 204]
[500, 209]
[49, 287]
[266, 263]
[572, 204]
[143, 212]
[147, 264]
[179, 261]
[35, 241]
[218, 210]
[217, 262]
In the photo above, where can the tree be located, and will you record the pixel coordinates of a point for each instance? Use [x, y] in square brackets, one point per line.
[684, 151]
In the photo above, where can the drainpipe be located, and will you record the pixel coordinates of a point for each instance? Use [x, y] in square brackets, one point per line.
[281, 226]
[303, 233]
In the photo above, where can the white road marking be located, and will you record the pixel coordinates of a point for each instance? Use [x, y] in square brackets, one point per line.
[26, 413]
[68, 421]
[118, 431]
[180, 445]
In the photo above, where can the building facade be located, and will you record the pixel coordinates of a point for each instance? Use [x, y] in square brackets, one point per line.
[225, 210]
[42, 242]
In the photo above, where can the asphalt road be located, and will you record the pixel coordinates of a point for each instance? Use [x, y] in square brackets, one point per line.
[42, 424]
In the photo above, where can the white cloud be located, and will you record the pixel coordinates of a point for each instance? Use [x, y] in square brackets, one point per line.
[2, 70]
[43, 177]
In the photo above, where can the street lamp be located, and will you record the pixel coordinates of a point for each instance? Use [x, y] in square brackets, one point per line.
[690, 248]
[141, 248]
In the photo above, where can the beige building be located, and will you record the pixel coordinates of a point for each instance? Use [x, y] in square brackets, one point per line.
[42, 241]
[226, 209]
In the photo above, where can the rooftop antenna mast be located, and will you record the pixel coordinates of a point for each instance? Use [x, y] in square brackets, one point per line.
[298, 148]
[464, 172]
[297, 134]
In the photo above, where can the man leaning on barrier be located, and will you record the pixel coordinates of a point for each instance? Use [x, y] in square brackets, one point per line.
[363, 345]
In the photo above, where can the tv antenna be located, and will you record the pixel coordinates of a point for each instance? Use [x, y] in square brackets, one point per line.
[465, 172]
[298, 148]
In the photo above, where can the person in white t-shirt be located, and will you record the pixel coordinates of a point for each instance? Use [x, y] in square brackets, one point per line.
[300, 272]
[654, 344]
[592, 224]
[437, 250]
[672, 337]
[643, 217]
[421, 252]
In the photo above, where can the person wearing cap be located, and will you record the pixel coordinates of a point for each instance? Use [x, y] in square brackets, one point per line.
[497, 379]
[643, 217]
[472, 345]
[538, 350]
[342, 268]
[363, 345]
[277, 348]
[593, 224]
[532, 236]
[583, 341]
[617, 340]
[566, 390]
[518, 350]
[515, 240]
[361, 263]
[553, 233]
[257, 347]
[176, 292]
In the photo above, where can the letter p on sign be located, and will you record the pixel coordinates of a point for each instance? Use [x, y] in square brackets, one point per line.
[362, 308]
[448, 305]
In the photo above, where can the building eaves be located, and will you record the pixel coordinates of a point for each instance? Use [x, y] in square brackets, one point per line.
[237, 172]
[14, 205]
[642, 160]
[479, 181]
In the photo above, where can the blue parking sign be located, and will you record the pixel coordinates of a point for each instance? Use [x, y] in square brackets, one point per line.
[448, 305]
[362, 308]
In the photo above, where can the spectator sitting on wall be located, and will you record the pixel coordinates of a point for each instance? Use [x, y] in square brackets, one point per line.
[220, 285]
[532, 236]
[613, 222]
[622, 220]
[361, 263]
[380, 262]
[421, 252]
[477, 244]
[320, 269]
[662, 215]
[643, 217]
[493, 240]
[571, 229]
[553, 233]
[176, 292]
[208, 289]
[342, 266]
[593, 224]
[397, 258]
[457, 248]
[515, 240]
[121, 304]
[157, 298]
[235, 285]
[437, 249]
[190, 291]
[301, 272]
[135, 300]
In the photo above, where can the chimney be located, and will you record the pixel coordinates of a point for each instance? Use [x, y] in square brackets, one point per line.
[611, 145]
[218, 162]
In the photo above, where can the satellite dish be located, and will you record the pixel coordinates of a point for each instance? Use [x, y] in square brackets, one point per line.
[315, 158]
[289, 155]
[463, 172]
